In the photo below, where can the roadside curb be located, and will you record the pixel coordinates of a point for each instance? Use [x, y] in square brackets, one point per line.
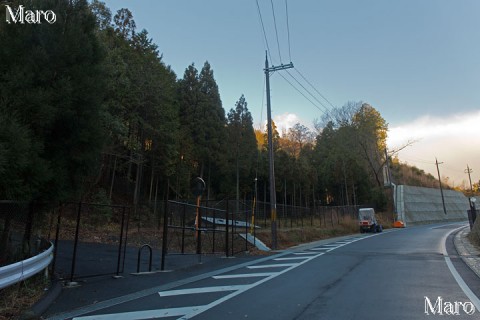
[469, 253]
[35, 311]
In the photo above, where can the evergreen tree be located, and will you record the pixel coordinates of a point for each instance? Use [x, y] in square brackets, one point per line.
[51, 87]
[141, 116]
[242, 144]
[203, 123]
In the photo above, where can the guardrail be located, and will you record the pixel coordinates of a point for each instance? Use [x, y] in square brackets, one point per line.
[22, 270]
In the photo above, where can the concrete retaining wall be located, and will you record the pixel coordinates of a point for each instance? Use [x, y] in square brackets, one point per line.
[422, 205]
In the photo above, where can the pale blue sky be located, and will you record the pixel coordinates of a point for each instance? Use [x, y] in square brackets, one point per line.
[416, 62]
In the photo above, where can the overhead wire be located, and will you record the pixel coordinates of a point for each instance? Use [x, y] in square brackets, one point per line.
[307, 93]
[311, 85]
[276, 31]
[306, 90]
[299, 91]
[288, 31]
[260, 128]
[263, 28]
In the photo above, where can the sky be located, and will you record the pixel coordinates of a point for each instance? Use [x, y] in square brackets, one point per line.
[416, 62]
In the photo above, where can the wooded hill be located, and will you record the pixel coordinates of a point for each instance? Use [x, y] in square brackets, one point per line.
[89, 107]
[413, 176]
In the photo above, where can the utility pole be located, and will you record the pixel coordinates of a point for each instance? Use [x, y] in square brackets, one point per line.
[273, 196]
[469, 171]
[441, 189]
[472, 215]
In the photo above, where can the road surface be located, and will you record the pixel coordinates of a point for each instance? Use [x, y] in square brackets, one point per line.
[397, 274]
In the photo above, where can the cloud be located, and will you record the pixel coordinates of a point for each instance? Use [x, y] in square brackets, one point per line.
[452, 139]
[285, 121]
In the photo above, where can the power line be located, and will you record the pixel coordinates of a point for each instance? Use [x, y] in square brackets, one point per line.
[299, 91]
[276, 31]
[306, 93]
[306, 90]
[453, 169]
[263, 28]
[288, 31]
[418, 160]
[263, 104]
[311, 85]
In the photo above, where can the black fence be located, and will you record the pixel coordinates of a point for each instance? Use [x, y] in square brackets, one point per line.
[90, 240]
[94, 239]
[287, 216]
[22, 231]
[198, 229]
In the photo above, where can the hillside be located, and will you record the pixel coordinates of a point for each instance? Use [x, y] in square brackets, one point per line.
[406, 174]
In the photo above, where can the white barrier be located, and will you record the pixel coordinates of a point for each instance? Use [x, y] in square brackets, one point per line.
[22, 270]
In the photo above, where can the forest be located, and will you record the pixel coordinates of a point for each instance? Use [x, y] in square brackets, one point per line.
[90, 111]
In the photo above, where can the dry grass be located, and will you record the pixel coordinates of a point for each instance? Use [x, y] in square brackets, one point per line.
[288, 237]
[21, 296]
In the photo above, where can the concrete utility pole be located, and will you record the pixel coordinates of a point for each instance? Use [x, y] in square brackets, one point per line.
[472, 216]
[441, 189]
[469, 171]
[273, 196]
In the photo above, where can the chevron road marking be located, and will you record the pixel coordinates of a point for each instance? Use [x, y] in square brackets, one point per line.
[191, 311]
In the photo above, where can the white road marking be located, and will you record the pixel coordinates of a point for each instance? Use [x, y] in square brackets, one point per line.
[304, 253]
[469, 293]
[244, 275]
[321, 249]
[144, 314]
[444, 225]
[170, 293]
[290, 258]
[190, 312]
[276, 265]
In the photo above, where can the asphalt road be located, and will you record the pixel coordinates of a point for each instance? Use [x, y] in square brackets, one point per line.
[374, 276]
